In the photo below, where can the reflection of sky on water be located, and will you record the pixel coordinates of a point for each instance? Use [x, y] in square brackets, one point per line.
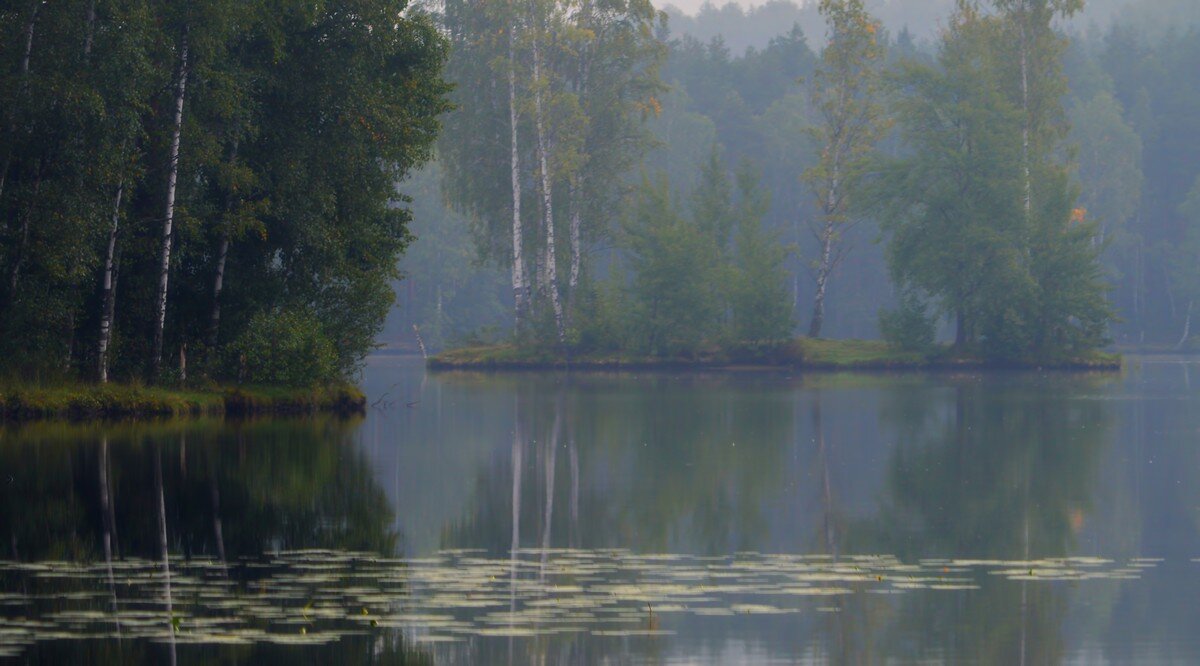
[660, 518]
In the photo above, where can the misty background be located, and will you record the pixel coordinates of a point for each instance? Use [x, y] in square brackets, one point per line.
[736, 85]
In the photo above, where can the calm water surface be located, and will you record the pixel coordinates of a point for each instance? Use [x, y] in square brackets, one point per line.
[625, 518]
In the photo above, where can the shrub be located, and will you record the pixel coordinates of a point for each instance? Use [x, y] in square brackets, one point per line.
[909, 327]
[283, 347]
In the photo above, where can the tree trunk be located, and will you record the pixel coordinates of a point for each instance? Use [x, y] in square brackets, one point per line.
[1187, 327]
[576, 242]
[1025, 124]
[823, 272]
[214, 320]
[164, 264]
[108, 302]
[14, 277]
[26, 57]
[576, 193]
[830, 209]
[520, 284]
[90, 31]
[551, 260]
[961, 335]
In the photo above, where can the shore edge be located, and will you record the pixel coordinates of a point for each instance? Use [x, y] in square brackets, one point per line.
[116, 401]
[803, 355]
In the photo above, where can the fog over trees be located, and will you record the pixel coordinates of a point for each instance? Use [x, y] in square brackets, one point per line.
[208, 179]
[1055, 140]
[222, 181]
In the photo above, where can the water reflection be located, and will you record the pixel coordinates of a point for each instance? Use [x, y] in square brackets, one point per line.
[999, 470]
[178, 494]
[574, 519]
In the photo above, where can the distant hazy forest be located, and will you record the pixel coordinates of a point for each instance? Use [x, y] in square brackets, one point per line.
[736, 127]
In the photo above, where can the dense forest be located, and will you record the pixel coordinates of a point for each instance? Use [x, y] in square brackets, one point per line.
[210, 180]
[232, 185]
[1021, 179]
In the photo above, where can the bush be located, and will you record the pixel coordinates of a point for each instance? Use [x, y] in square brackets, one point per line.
[284, 347]
[909, 327]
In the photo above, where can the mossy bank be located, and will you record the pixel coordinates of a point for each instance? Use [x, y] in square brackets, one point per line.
[798, 354]
[18, 403]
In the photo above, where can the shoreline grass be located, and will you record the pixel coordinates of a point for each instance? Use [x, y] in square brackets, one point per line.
[117, 401]
[798, 354]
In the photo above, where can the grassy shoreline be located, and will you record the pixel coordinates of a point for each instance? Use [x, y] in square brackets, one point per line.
[115, 401]
[799, 354]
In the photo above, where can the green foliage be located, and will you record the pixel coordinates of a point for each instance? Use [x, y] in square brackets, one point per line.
[675, 288]
[909, 327]
[288, 348]
[714, 279]
[1020, 283]
[81, 401]
[603, 319]
[298, 119]
[760, 307]
[595, 89]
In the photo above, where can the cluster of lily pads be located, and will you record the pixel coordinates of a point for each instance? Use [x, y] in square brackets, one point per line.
[319, 596]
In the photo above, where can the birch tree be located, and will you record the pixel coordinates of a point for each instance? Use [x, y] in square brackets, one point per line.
[560, 135]
[520, 284]
[851, 120]
[549, 286]
[1038, 57]
[1020, 286]
[139, 155]
[164, 254]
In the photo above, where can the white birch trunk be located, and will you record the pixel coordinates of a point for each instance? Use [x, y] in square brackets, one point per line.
[1025, 125]
[825, 268]
[108, 303]
[551, 259]
[14, 277]
[214, 320]
[576, 241]
[26, 56]
[1187, 327]
[169, 216]
[823, 272]
[585, 20]
[90, 31]
[520, 285]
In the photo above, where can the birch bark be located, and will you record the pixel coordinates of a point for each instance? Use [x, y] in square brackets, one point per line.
[91, 29]
[214, 320]
[551, 251]
[26, 57]
[825, 268]
[109, 291]
[1023, 20]
[169, 215]
[519, 280]
[14, 277]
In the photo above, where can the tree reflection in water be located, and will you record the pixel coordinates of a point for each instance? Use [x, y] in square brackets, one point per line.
[187, 491]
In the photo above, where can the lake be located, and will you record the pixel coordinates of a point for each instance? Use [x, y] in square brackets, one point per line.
[1007, 518]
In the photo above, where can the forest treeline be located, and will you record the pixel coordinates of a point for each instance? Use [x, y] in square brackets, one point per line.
[983, 186]
[221, 183]
[210, 180]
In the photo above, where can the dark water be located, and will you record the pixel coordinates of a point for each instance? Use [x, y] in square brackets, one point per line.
[638, 518]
